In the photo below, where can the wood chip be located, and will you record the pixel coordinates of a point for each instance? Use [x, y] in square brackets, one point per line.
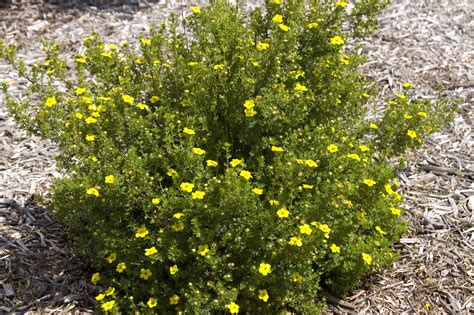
[424, 42]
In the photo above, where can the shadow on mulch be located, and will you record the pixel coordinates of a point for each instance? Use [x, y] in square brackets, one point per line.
[38, 271]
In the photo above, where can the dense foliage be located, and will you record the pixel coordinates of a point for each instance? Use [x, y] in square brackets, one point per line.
[226, 162]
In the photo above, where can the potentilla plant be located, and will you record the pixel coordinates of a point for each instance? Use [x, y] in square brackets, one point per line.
[229, 167]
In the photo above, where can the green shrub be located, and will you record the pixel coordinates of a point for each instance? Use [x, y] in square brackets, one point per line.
[229, 166]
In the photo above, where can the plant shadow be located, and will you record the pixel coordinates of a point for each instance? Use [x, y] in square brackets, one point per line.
[39, 271]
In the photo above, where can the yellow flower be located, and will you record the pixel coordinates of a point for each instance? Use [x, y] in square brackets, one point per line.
[233, 308]
[369, 182]
[145, 274]
[189, 131]
[155, 201]
[198, 194]
[250, 112]
[218, 67]
[198, 151]
[172, 173]
[235, 162]
[301, 88]
[337, 40]
[395, 211]
[111, 258]
[196, 10]
[305, 229]
[178, 226]
[263, 295]
[277, 149]
[80, 60]
[354, 156]
[274, 202]
[257, 191]
[91, 120]
[278, 18]
[79, 115]
[152, 302]
[249, 104]
[187, 187]
[284, 27]
[121, 267]
[150, 251]
[90, 138]
[95, 278]
[277, 2]
[110, 291]
[128, 99]
[363, 148]
[211, 163]
[154, 99]
[297, 277]
[323, 227]
[335, 248]
[106, 54]
[407, 85]
[306, 186]
[141, 232]
[341, 4]
[100, 297]
[174, 269]
[174, 300]
[192, 63]
[265, 269]
[332, 148]
[203, 249]
[93, 191]
[245, 174]
[310, 163]
[145, 41]
[411, 134]
[295, 241]
[80, 91]
[283, 213]
[388, 189]
[373, 126]
[110, 179]
[262, 46]
[422, 114]
[142, 106]
[367, 258]
[111, 47]
[107, 306]
[379, 229]
[408, 116]
[178, 215]
[313, 25]
[401, 96]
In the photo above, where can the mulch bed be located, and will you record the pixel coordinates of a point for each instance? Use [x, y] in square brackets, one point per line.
[422, 42]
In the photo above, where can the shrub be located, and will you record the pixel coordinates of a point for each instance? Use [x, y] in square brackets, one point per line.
[226, 162]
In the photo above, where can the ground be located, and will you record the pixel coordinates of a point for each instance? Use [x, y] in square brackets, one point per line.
[429, 44]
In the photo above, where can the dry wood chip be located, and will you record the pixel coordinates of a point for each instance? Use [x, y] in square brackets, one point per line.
[425, 42]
